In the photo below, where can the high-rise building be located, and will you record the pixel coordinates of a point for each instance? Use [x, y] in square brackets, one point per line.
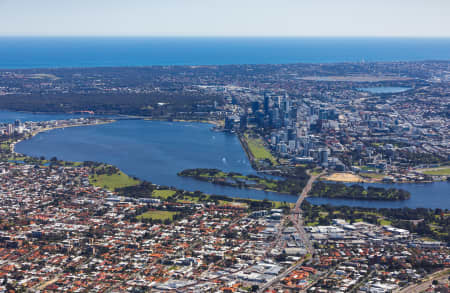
[255, 106]
[323, 157]
[266, 104]
[243, 122]
[10, 129]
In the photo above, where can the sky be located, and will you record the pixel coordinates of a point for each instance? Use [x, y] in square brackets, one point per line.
[351, 18]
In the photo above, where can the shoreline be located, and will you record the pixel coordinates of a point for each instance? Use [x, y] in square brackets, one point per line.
[247, 151]
[34, 133]
[213, 122]
[150, 118]
[356, 180]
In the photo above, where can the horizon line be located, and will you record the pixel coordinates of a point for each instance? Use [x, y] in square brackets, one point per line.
[223, 36]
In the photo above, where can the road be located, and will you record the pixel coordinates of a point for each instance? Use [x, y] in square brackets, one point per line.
[305, 191]
[298, 223]
[441, 276]
[280, 276]
[295, 216]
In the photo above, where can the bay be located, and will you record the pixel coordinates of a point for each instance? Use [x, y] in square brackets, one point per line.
[11, 116]
[154, 151]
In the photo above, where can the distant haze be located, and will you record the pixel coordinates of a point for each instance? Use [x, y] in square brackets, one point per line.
[407, 18]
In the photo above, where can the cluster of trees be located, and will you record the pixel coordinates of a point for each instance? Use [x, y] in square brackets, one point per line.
[433, 223]
[144, 189]
[202, 172]
[417, 158]
[151, 104]
[340, 190]
[293, 183]
[428, 222]
[105, 169]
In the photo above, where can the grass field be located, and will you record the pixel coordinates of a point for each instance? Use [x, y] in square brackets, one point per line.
[163, 193]
[258, 150]
[232, 203]
[157, 215]
[384, 222]
[5, 146]
[445, 170]
[315, 171]
[114, 181]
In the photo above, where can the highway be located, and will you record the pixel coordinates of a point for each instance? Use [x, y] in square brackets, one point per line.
[298, 223]
[296, 213]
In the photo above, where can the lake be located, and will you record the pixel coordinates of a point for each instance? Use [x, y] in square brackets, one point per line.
[156, 151]
[384, 89]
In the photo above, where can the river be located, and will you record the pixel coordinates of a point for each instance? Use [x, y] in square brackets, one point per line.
[156, 151]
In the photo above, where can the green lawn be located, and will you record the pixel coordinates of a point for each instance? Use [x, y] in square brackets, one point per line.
[279, 204]
[5, 146]
[312, 224]
[384, 222]
[437, 171]
[16, 158]
[258, 150]
[315, 172]
[187, 198]
[157, 215]
[113, 181]
[163, 193]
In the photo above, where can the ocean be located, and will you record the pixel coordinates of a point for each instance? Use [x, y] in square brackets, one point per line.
[51, 52]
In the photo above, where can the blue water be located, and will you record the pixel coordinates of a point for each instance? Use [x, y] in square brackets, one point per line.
[385, 89]
[156, 151]
[10, 116]
[424, 195]
[42, 52]
[152, 150]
